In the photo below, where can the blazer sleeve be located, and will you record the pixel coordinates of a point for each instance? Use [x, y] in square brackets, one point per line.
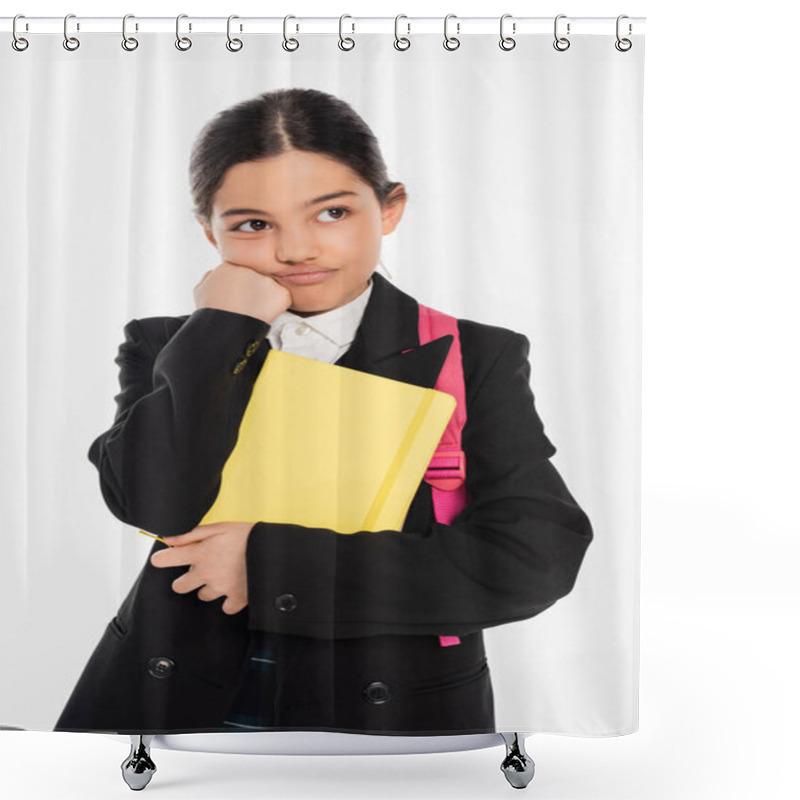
[178, 413]
[512, 552]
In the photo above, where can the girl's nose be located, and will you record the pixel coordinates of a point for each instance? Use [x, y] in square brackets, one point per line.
[295, 246]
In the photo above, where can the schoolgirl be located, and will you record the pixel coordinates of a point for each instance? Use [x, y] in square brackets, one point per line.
[245, 626]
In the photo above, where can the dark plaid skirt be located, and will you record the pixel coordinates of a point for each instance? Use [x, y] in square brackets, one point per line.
[254, 706]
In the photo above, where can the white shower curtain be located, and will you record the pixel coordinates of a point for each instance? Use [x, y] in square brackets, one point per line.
[523, 171]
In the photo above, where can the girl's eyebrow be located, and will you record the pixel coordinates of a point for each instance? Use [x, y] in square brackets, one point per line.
[232, 212]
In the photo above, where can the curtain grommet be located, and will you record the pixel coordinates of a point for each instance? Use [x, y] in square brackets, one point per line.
[401, 42]
[290, 44]
[346, 42]
[129, 43]
[451, 42]
[182, 43]
[507, 42]
[19, 43]
[561, 43]
[70, 42]
[623, 44]
[234, 45]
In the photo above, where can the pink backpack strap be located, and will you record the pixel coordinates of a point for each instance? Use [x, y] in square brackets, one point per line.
[446, 471]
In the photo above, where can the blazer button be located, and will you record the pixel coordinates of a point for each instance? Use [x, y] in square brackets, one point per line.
[239, 366]
[252, 347]
[377, 693]
[160, 667]
[286, 602]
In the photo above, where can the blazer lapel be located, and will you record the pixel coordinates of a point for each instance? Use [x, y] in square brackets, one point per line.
[387, 340]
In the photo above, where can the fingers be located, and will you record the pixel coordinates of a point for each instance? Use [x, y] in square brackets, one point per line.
[235, 265]
[233, 605]
[190, 581]
[173, 557]
[196, 534]
[207, 594]
[215, 568]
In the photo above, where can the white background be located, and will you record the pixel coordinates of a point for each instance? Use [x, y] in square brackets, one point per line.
[719, 696]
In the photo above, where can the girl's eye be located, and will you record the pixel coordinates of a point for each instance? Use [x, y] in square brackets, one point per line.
[256, 225]
[339, 212]
[257, 222]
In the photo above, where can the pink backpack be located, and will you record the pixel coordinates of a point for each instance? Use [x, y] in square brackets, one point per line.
[446, 471]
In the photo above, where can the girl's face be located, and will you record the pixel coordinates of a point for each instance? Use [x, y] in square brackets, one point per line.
[297, 212]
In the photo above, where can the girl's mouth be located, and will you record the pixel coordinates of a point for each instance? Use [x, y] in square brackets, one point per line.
[302, 278]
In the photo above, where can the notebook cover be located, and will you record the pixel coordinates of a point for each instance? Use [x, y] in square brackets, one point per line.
[327, 446]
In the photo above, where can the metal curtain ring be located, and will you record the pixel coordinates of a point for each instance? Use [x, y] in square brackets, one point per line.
[451, 42]
[234, 45]
[289, 44]
[346, 43]
[18, 42]
[561, 43]
[70, 42]
[623, 45]
[401, 43]
[506, 42]
[128, 42]
[182, 42]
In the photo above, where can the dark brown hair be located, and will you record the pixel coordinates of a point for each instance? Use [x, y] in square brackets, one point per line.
[275, 122]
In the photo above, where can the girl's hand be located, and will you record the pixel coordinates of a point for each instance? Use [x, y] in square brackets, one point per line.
[216, 555]
[232, 287]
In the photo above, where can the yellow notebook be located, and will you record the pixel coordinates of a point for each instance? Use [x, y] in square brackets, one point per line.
[327, 446]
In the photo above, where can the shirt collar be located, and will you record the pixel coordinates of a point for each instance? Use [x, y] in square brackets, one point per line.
[339, 324]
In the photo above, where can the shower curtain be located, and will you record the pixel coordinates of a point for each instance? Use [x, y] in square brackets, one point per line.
[520, 216]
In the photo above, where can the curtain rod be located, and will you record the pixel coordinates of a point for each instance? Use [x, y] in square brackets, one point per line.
[309, 25]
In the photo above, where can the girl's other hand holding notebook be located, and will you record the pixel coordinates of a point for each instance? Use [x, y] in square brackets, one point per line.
[215, 554]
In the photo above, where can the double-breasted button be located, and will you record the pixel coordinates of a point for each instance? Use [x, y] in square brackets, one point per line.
[286, 602]
[160, 667]
[377, 693]
[252, 347]
[239, 366]
[302, 329]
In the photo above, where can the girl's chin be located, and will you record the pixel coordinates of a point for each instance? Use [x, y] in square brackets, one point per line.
[305, 312]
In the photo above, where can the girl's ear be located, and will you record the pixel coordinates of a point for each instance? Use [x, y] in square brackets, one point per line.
[206, 230]
[393, 209]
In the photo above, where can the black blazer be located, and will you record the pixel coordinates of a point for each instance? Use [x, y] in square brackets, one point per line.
[364, 610]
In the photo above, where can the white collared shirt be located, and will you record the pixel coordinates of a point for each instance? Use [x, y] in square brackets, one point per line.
[325, 336]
